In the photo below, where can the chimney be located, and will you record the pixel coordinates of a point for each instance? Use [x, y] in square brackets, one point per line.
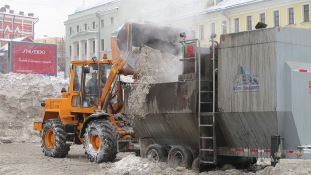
[12, 11]
[30, 14]
[7, 7]
[21, 13]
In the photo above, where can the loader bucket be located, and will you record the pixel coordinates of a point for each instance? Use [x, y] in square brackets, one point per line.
[165, 39]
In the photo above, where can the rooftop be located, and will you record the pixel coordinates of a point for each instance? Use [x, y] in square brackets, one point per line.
[99, 3]
[158, 11]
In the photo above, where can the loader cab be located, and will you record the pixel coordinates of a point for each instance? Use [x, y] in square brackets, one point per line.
[89, 79]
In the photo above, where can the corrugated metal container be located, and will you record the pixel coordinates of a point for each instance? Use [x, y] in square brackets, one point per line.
[254, 78]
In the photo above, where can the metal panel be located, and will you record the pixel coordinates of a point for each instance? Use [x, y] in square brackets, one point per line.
[169, 129]
[176, 97]
[251, 130]
[258, 63]
[247, 38]
[301, 105]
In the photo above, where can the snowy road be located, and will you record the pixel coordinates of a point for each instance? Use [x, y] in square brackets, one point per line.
[27, 158]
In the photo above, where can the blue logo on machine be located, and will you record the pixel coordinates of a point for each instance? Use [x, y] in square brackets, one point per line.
[244, 81]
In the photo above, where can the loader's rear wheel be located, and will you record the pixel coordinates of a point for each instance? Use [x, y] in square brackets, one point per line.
[156, 153]
[100, 141]
[180, 156]
[54, 139]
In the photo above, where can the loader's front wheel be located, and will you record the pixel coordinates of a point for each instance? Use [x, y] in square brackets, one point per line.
[54, 139]
[100, 141]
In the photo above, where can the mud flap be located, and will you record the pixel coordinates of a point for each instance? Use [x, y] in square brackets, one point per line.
[276, 144]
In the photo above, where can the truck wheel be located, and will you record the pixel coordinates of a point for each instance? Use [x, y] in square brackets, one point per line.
[196, 164]
[180, 156]
[156, 153]
[100, 141]
[54, 139]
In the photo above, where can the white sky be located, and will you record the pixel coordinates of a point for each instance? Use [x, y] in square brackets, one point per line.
[51, 13]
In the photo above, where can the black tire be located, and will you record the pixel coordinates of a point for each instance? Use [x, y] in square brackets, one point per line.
[194, 152]
[53, 139]
[180, 156]
[156, 153]
[196, 164]
[100, 141]
[246, 164]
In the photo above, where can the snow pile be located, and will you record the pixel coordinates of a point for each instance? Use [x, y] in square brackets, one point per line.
[288, 166]
[21, 96]
[153, 67]
[131, 164]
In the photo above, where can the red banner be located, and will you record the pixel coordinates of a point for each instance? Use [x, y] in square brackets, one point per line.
[33, 58]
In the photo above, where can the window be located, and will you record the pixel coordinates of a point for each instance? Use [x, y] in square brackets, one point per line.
[212, 29]
[236, 25]
[276, 18]
[85, 48]
[249, 23]
[93, 46]
[290, 15]
[306, 13]
[77, 28]
[103, 44]
[93, 24]
[262, 17]
[70, 30]
[112, 21]
[76, 99]
[218, 1]
[224, 27]
[85, 27]
[201, 32]
[209, 3]
[77, 78]
[77, 49]
[102, 23]
[70, 50]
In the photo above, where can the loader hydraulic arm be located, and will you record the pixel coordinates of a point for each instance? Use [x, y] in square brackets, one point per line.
[117, 69]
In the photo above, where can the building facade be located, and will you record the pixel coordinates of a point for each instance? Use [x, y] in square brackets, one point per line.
[89, 28]
[14, 25]
[227, 16]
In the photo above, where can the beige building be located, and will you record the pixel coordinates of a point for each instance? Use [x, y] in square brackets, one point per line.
[49, 40]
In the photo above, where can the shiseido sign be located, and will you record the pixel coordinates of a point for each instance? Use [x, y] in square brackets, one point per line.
[27, 57]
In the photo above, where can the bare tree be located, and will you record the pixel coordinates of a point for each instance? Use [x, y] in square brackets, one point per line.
[62, 54]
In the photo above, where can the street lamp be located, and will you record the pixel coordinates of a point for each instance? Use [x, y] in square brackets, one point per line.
[99, 41]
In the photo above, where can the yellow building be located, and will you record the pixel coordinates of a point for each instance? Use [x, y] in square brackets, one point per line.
[227, 16]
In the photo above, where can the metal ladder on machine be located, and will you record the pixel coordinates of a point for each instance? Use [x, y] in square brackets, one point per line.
[206, 141]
